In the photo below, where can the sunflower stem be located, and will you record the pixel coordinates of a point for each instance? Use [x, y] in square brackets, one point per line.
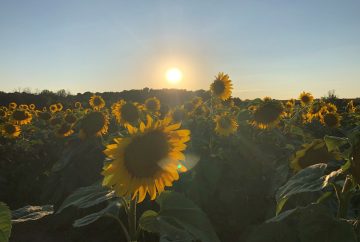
[132, 220]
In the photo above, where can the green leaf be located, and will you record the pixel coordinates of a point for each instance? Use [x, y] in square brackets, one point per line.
[309, 179]
[5, 222]
[29, 213]
[86, 197]
[334, 143]
[178, 218]
[112, 209]
[148, 221]
[314, 223]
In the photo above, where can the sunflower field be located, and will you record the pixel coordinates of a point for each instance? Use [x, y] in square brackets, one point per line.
[212, 168]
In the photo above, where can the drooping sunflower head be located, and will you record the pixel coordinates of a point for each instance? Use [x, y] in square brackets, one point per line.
[94, 124]
[222, 86]
[44, 115]
[152, 105]
[70, 118]
[147, 161]
[64, 130]
[97, 102]
[331, 120]
[225, 124]
[267, 114]
[53, 108]
[12, 105]
[306, 98]
[311, 154]
[20, 117]
[126, 112]
[10, 130]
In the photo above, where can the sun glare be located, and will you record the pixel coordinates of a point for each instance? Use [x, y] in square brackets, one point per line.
[173, 75]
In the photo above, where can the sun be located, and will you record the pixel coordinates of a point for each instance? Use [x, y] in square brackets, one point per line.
[173, 75]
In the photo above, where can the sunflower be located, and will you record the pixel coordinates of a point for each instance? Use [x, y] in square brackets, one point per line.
[152, 105]
[70, 118]
[32, 106]
[126, 112]
[221, 87]
[306, 98]
[12, 105]
[350, 107]
[53, 108]
[311, 154]
[315, 112]
[97, 102]
[94, 123]
[267, 99]
[44, 115]
[331, 108]
[24, 106]
[268, 114]
[10, 130]
[21, 117]
[64, 130]
[59, 106]
[147, 161]
[78, 105]
[3, 113]
[225, 124]
[331, 120]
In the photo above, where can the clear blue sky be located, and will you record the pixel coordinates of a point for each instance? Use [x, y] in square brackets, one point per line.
[269, 48]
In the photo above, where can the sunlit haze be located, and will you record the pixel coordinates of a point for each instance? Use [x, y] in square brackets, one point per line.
[269, 48]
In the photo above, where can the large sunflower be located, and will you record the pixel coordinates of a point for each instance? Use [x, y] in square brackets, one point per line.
[225, 124]
[147, 161]
[152, 105]
[9, 130]
[268, 114]
[94, 124]
[221, 87]
[126, 112]
[306, 98]
[97, 102]
[311, 154]
[21, 117]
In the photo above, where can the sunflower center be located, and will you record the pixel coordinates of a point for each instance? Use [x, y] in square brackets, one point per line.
[10, 129]
[20, 115]
[143, 154]
[152, 105]
[97, 101]
[225, 122]
[218, 87]
[305, 99]
[129, 112]
[267, 113]
[93, 123]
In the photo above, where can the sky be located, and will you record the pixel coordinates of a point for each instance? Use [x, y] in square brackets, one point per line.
[271, 48]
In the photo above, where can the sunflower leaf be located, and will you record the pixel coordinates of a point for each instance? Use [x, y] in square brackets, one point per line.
[180, 218]
[85, 197]
[112, 209]
[5, 222]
